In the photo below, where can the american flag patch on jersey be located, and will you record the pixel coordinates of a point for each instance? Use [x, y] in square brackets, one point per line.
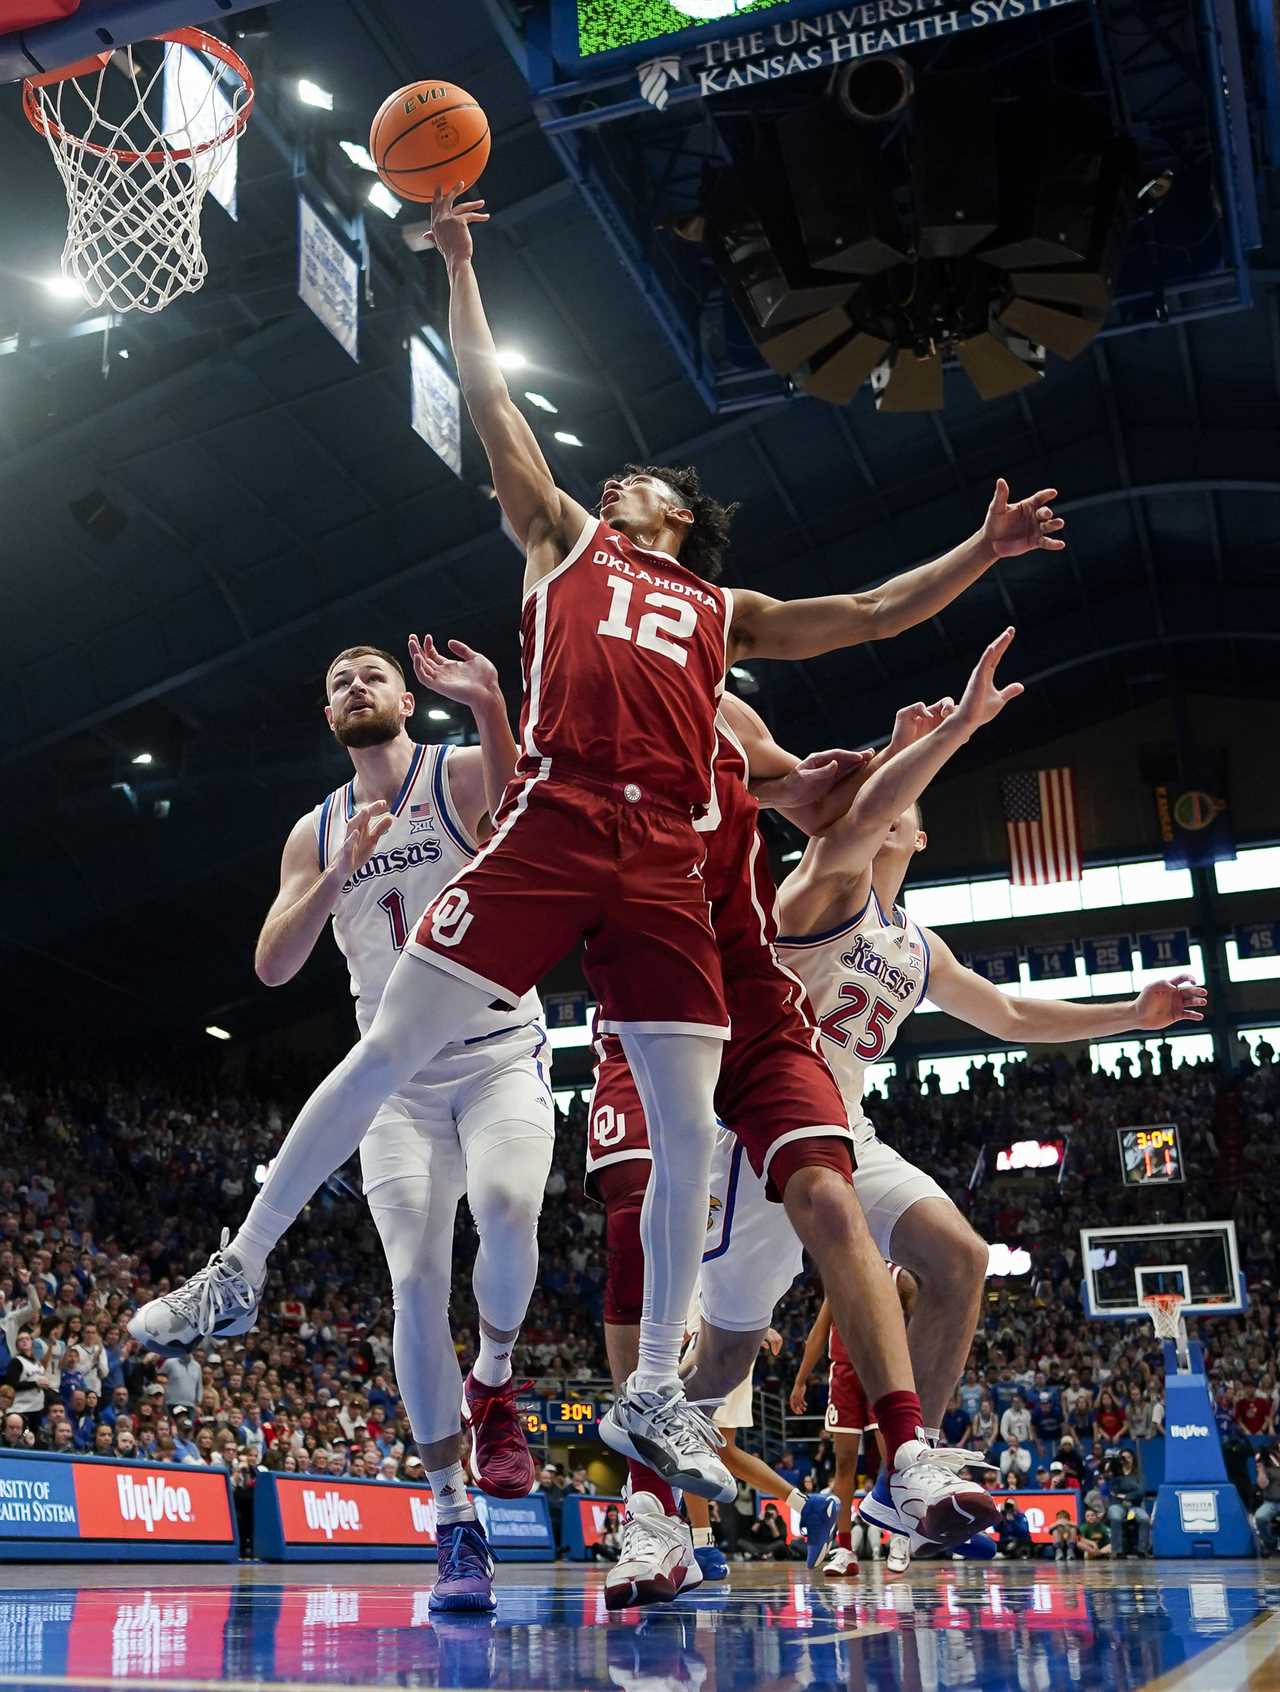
[419, 810]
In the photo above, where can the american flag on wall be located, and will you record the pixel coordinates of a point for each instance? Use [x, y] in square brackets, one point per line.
[1044, 830]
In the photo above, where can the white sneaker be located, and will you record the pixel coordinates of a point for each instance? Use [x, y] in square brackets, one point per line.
[673, 1437]
[899, 1560]
[693, 1575]
[840, 1562]
[655, 1556]
[218, 1301]
[925, 1498]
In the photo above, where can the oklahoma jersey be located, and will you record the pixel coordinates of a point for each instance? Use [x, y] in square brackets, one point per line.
[623, 652]
[425, 847]
[863, 979]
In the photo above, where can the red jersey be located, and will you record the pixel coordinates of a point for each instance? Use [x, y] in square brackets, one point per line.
[623, 652]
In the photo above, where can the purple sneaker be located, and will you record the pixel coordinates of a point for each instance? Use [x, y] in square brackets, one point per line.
[464, 1580]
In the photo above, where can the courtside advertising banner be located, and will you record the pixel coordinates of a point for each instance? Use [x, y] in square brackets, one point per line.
[308, 1518]
[56, 1507]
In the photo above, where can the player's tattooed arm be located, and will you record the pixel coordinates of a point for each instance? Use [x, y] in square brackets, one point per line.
[307, 896]
[805, 628]
[546, 520]
[477, 775]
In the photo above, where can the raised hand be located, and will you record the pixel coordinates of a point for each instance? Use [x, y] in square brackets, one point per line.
[468, 677]
[1180, 999]
[914, 721]
[364, 831]
[814, 777]
[982, 700]
[1013, 529]
[451, 224]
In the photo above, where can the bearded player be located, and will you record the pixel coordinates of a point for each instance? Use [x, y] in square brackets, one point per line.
[478, 1118]
[625, 640]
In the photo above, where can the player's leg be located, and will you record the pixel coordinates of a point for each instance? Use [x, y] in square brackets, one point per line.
[844, 1483]
[913, 1222]
[506, 1128]
[414, 1178]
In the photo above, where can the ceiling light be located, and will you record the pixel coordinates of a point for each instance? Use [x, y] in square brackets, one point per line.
[358, 155]
[63, 287]
[123, 353]
[739, 672]
[312, 95]
[792, 857]
[142, 758]
[542, 402]
[438, 716]
[511, 359]
[566, 439]
[216, 1033]
[382, 197]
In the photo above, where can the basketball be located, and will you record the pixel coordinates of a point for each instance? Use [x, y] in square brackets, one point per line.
[429, 135]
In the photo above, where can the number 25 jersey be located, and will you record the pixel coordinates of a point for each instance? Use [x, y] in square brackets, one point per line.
[623, 651]
[863, 979]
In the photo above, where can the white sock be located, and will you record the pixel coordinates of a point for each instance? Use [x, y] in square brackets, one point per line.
[702, 1536]
[933, 1436]
[796, 1500]
[658, 1365]
[449, 1487]
[492, 1367]
[259, 1234]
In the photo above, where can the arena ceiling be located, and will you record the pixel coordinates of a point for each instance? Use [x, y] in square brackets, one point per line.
[278, 506]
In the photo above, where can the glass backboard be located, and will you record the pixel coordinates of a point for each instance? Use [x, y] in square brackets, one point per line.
[1122, 1266]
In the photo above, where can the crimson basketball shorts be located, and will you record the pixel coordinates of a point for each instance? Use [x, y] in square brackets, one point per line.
[778, 1096]
[847, 1407]
[621, 1188]
[575, 858]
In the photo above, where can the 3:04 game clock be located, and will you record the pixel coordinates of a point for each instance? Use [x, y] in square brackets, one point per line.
[1151, 1156]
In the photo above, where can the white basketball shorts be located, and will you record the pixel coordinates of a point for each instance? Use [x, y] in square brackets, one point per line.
[472, 1099]
[752, 1253]
[886, 1184]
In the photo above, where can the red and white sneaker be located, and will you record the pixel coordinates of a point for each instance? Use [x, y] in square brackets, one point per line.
[655, 1556]
[841, 1563]
[501, 1463]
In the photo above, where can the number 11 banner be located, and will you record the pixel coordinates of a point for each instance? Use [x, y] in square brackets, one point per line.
[1166, 948]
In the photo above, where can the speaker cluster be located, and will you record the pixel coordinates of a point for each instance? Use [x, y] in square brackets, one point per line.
[879, 226]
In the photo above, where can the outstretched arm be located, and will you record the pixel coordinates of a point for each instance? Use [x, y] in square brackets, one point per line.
[544, 517]
[836, 867]
[478, 775]
[965, 995]
[804, 628]
[814, 1346]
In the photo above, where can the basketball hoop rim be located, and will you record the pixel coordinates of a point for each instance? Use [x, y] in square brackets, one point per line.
[188, 36]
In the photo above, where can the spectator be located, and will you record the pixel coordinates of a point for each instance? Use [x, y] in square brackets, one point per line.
[551, 1486]
[1013, 1533]
[1015, 1459]
[103, 1440]
[1268, 1472]
[1112, 1423]
[1255, 1413]
[609, 1545]
[767, 1536]
[16, 1436]
[1093, 1538]
[183, 1380]
[986, 1426]
[957, 1422]
[1065, 1536]
[791, 1468]
[1126, 1513]
[1015, 1424]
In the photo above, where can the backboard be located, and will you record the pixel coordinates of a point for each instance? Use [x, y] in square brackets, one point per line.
[72, 33]
[1200, 1260]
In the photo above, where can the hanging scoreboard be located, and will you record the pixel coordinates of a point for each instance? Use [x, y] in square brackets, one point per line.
[1151, 1157]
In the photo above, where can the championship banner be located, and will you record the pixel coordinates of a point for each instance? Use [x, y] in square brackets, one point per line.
[328, 278]
[565, 1010]
[314, 1518]
[1056, 962]
[60, 1508]
[998, 967]
[1165, 947]
[1257, 940]
[1193, 811]
[1108, 954]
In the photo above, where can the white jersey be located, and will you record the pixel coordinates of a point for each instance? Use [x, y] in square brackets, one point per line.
[380, 905]
[863, 979]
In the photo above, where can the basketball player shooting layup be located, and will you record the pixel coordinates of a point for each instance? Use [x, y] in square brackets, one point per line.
[625, 641]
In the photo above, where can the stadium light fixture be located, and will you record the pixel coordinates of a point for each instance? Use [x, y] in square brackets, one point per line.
[382, 197]
[541, 401]
[311, 94]
[216, 1033]
[511, 358]
[438, 716]
[792, 857]
[359, 156]
[142, 758]
[63, 288]
[566, 439]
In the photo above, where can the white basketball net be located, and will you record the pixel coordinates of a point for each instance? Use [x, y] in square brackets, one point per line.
[1165, 1311]
[135, 189]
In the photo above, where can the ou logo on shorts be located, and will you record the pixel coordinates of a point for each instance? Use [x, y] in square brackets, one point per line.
[451, 919]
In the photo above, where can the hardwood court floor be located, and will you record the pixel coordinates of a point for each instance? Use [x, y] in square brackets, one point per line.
[995, 1627]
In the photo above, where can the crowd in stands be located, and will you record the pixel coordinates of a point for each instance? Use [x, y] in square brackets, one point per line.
[111, 1185]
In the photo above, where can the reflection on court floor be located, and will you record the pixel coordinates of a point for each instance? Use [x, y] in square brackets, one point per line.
[1204, 1627]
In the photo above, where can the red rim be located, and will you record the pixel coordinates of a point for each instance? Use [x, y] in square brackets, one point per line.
[186, 37]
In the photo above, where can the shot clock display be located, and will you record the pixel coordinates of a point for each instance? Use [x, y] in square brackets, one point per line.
[1151, 1157]
[571, 1418]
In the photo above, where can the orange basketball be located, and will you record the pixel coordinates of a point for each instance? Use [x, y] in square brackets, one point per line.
[429, 135]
